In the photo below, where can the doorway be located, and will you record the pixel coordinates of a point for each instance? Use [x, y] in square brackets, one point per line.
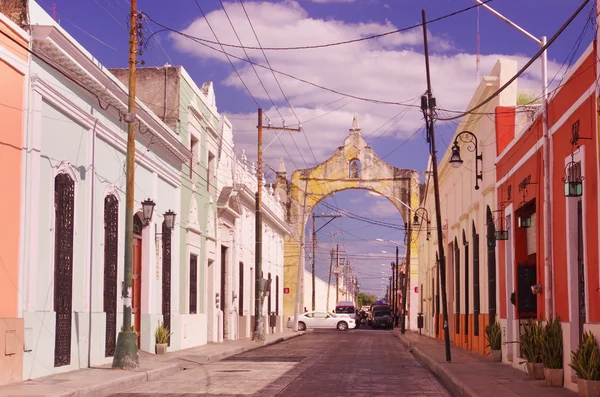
[136, 277]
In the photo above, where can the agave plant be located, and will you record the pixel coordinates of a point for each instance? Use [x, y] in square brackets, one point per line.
[552, 345]
[493, 336]
[531, 341]
[162, 334]
[585, 361]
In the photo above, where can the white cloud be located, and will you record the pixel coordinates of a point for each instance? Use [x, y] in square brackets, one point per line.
[389, 68]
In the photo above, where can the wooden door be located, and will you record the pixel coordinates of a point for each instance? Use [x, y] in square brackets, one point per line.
[136, 284]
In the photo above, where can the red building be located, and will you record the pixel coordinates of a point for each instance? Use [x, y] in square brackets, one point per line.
[563, 281]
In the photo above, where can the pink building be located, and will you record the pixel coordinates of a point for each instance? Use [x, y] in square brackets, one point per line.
[13, 72]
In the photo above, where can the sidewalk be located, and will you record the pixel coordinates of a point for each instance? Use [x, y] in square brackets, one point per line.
[101, 381]
[472, 375]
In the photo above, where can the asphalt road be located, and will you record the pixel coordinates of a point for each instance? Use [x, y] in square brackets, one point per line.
[360, 362]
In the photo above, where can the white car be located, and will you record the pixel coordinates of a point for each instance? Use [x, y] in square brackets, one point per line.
[322, 320]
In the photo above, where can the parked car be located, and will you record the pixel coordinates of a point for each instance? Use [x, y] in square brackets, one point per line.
[322, 320]
[382, 317]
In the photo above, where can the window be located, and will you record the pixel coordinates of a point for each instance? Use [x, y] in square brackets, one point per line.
[210, 169]
[277, 295]
[64, 209]
[241, 293]
[466, 262]
[270, 298]
[476, 292]
[111, 245]
[166, 277]
[193, 284]
[194, 159]
[491, 259]
[457, 286]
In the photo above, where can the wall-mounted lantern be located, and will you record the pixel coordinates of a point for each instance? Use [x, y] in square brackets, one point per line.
[524, 211]
[573, 180]
[424, 217]
[455, 159]
[147, 210]
[501, 225]
[170, 219]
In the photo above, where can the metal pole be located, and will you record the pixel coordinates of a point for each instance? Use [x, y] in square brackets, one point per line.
[405, 288]
[300, 276]
[126, 353]
[314, 243]
[548, 298]
[337, 274]
[329, 280]
[436, 187]
[396, 317]
[259, 331]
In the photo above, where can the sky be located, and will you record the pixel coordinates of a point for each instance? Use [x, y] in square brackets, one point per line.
[389, 68]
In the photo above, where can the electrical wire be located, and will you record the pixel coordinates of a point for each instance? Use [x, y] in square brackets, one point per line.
[339, 43]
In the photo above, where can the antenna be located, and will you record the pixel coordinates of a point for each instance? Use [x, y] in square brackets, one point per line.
[477, 50]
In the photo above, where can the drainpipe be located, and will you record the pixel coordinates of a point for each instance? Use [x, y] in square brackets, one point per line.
[165, 93]
[93, 188]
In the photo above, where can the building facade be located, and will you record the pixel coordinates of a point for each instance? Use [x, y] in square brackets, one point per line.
[191, 112]
[14, 77]
[72, 262]
[466, 213]
[565, 283]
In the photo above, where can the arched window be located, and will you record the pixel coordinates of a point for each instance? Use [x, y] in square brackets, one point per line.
[355, 168]
[64, 211]
[491, 259]
[270, 295]
[457, 286]
[437, 295]
[476, 297]
[277, 295]
[466, 262]
[111, 245]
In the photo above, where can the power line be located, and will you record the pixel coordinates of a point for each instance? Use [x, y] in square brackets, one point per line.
[339, 43]
[524, 68]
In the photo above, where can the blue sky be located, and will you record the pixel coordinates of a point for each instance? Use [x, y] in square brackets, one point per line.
[390, 68]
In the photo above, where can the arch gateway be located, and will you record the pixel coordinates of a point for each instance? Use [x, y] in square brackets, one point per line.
[355, 165]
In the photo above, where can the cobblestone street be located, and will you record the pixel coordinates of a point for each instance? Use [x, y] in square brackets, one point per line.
[320, 363]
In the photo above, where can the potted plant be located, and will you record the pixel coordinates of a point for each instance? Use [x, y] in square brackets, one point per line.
[585, 361]
[531, 348]
[493, 336]
[162, 335]
[552, 353]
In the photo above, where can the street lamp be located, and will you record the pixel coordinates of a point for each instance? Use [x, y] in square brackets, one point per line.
[169, 219]
[471, 140]
[147, 210]
[425, 217]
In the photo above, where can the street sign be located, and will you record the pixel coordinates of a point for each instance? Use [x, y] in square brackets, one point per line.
[286, 290]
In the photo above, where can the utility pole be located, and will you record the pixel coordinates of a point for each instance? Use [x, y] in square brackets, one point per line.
[259, 329]
[126, 353]
[337, 273]
[314, 247]
[396, 307]
[329, 281]
[428, 106]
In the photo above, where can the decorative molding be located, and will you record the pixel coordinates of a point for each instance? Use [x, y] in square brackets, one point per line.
[463, 217]
[488, 189]
[455, 226]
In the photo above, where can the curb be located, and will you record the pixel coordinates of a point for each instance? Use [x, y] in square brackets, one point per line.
[141, 376]
[452, 383]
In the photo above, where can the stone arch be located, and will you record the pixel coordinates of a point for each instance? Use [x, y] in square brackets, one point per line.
[310, 186]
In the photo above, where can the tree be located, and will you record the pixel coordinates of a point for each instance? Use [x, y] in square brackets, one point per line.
[365, 299]
[527, 98]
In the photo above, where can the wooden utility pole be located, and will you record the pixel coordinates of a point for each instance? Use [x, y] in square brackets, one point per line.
[259, 329]
[405, 288]
[314, 247]
[396, 294]
[126, 353]
[428, 106]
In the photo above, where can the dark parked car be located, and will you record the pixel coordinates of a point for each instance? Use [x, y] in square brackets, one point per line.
[382, 317]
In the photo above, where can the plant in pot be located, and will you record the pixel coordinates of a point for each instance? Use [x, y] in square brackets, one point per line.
[493, 336]
[552, 353]
[585, 361]
[162, 335]
[531, 348]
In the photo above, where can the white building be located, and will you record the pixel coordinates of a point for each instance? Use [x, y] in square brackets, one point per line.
[231, 296]
[74, 210]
